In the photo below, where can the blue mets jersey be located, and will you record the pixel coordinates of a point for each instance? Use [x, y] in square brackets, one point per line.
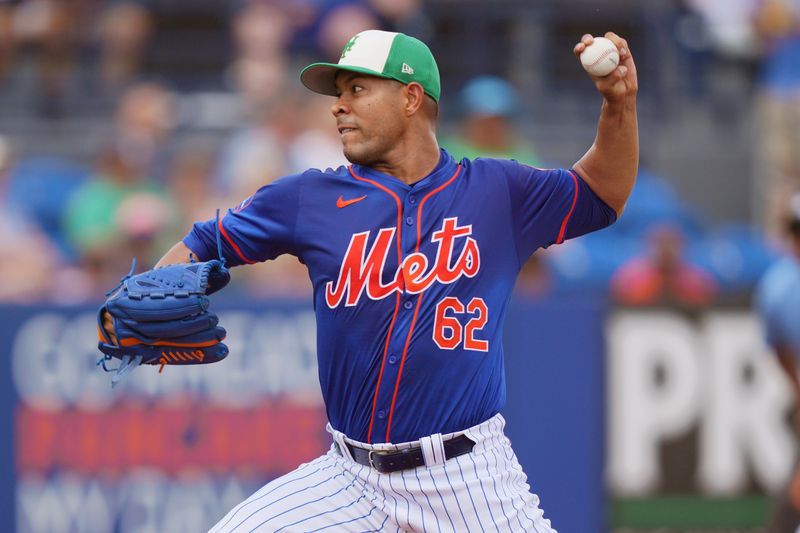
[411, 282]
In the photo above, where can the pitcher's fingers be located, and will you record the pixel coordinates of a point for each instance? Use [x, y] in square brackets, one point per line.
[619, 42]
[586, 40]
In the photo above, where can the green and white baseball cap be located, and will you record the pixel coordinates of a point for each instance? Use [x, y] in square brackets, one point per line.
[384, 54]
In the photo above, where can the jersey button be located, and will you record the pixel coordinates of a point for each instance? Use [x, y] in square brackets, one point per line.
[392, 359]
[412, 200]
[408, 305]
[409, 220]
[381, 414]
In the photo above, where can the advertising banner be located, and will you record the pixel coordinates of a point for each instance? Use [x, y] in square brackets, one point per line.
[161, 452]
[174, 451]
[698, 420]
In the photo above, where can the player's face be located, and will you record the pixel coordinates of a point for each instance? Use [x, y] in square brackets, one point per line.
[369, 117]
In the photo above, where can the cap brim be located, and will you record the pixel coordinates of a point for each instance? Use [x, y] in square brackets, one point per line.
[321, 77]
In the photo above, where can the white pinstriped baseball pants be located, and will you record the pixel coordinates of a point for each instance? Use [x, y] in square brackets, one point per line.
[485, 490]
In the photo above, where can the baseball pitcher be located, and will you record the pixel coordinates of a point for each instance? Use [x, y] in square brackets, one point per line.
[412, 256]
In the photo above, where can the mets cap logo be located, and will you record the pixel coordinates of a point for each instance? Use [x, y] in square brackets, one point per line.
[349, 46]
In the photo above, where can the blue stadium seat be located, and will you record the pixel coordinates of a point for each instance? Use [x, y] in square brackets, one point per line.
[654, 201]
[736, 254]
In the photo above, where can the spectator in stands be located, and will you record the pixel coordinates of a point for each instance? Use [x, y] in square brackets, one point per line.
[118, 209]
[261, 34]
[27, 258]
[123, 30]
[727, 22]
[317, 143]
[318, 25]
[190, 180]
[56, 33]
[6, 38]
[778, 106]
[663, 276]
[778, 303]
[252, 157]
[122, 206]
[398, 14]
[143, 123]
[50, 28]
[341, 23]
[488, 105]
[254, 154]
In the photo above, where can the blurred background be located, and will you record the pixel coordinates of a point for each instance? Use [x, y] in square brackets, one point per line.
[124, 121]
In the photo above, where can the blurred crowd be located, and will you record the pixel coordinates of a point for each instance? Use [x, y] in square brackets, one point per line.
[69, 226]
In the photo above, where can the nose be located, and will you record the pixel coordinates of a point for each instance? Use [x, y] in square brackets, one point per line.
[339, 107]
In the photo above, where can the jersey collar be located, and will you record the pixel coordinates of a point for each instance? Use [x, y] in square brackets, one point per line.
[442, 172]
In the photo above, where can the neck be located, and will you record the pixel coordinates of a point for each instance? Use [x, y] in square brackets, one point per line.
[409, 163]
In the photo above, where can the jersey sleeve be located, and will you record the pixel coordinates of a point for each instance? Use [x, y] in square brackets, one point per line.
[260, 228]
[550, 206]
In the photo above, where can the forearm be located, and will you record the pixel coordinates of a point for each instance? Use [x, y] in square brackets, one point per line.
[179, 253]
[609, 167]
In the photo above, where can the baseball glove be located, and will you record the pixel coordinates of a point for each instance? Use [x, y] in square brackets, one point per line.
[161, 317]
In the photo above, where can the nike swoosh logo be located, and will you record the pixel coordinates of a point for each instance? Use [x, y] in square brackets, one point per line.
[341, 202]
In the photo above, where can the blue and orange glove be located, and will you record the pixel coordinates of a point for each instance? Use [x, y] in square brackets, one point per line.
[161, 317]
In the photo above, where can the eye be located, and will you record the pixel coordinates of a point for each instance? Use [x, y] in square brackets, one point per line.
[357, 88]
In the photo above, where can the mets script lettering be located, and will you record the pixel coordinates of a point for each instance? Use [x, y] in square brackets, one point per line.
[361, 269]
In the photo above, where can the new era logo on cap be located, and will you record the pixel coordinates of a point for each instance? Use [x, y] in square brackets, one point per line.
[383, 54]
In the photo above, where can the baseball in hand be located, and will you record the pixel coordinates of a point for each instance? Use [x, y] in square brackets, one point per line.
[600, 58]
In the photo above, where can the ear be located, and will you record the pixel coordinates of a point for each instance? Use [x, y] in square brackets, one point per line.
[415, 96]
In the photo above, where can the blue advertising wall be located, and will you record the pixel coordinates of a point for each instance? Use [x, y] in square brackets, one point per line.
[555, 374]
[173, 452]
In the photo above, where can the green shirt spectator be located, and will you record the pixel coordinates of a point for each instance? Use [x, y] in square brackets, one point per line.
[486, 130]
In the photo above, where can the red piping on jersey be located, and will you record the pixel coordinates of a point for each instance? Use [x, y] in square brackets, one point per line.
[422, 203]
[233, 244]
[396, 200]
[419, 301]
[396, 302]
[563, 229]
